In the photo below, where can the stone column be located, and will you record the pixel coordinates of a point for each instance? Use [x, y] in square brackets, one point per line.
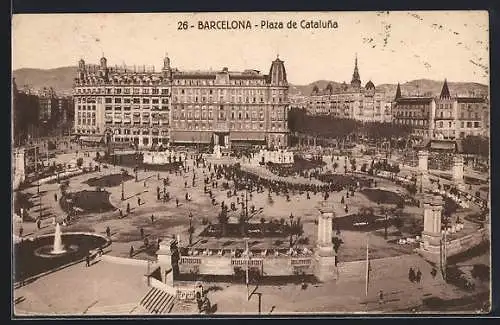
[458, 170]
[423, 157]
[165, 261]
[325, 255]
[431, 236]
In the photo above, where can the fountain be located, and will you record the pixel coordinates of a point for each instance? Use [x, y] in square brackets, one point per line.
[58, 247]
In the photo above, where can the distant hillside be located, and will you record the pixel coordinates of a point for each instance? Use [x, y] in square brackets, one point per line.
[61, 79]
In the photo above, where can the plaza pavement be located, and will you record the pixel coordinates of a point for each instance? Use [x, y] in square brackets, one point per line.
[75, 289]
[108, 281]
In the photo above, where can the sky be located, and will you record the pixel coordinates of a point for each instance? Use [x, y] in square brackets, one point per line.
[391, 46]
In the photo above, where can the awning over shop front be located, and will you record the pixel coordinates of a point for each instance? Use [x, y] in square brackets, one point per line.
[247, 136]
[443, 145]
[95, 139]
[191, 137]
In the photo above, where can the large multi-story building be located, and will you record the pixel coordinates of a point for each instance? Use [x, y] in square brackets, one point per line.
[445, 117]
[351, 101]
[180, 107]
[122, 104]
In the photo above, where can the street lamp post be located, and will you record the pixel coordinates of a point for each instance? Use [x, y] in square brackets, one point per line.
[123, 189]
[291, 225]
[190, 228]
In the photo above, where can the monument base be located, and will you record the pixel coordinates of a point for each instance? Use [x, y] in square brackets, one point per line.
[325, 267]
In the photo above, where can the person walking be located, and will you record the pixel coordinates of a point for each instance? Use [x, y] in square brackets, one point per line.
[55, 197]
[411, 275]
[380, 297]
[131, 253]
[152, 218]
[87, 260]
[21, 230]
[142, 233]
[418, 277]
[38, 223]
[176, 202]
[108, 231]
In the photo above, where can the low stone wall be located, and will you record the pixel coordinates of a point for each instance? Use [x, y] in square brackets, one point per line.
[456, 246]
[219, 265]
[124, 260]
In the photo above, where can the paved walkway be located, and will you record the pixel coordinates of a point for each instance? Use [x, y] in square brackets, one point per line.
[77, 288]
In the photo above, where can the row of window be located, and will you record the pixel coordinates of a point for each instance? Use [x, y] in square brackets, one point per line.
[86, 121]
[127, 108]
[233, 99]
[125, 91]
[441, 124]
[211, 82]
[234, 126]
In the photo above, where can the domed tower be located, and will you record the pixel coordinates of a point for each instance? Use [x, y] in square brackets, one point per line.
[166, 67]
[103, 67]
[81, 69]
[356, 80]
[277, 73]
[104, 63]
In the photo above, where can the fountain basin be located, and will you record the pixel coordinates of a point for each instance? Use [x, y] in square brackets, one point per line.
[34, 256]
[47, 251]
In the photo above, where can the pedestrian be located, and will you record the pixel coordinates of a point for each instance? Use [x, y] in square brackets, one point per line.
[433, 272]
[21, 230]
[418, 276]
[131, 253]
[38, 223]
[186, 196]
[380, 297]
[176, 202]
[87, 260]
[108, 231]
[121, 213]
[411, 275]
[185, 184]
[128, 208]
[138, 201]
[342, 200]
[142, 232]
[55, 197]
[152, 218]
[144, 183]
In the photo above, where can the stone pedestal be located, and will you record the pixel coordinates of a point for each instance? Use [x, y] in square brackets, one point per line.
[458, 170]
[325, 254]
[431, 236]
[423, 157]
[165, 261]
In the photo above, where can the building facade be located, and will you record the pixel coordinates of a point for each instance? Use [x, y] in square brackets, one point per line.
[122, 104]
[445, 117]
[351, 101]
[182, 107]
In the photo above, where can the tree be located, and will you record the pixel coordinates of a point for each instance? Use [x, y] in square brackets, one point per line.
[476, 145]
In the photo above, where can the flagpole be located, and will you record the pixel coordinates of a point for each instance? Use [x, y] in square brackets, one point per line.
[367, 267]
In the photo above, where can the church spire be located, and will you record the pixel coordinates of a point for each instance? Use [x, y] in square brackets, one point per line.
[398, 92]
[356, 80]
[445, 92]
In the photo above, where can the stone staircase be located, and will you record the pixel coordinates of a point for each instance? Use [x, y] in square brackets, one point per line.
[157, 301]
